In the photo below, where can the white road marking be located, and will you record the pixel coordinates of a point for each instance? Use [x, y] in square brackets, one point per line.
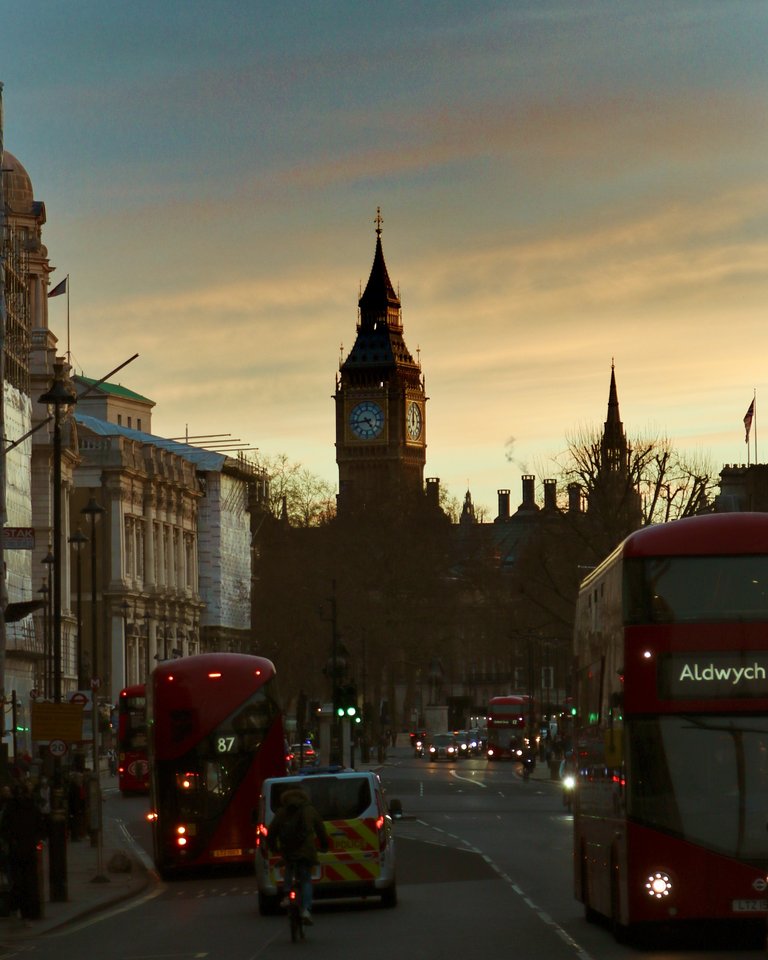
[477, 783]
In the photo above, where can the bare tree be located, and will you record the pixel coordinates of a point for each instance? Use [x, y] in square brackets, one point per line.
[308, 500]
[655, 484]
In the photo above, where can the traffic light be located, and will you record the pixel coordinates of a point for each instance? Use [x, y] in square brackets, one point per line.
[346, 703]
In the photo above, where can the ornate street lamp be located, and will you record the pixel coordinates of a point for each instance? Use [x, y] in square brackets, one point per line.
[44, 590]
[78, 540]
[49, 561]
[93, 512]
[61, 396]
[125, 607]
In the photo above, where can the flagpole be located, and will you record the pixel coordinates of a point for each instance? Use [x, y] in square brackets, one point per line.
[69, 352]
[754, 400]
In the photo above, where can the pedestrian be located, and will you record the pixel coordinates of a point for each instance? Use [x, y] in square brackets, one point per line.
[22, 831]
[112, 760]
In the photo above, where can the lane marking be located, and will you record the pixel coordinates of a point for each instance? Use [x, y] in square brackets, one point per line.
[477, 783]
[542, 915]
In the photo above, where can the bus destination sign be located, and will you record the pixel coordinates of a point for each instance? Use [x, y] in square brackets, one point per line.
[711, 676]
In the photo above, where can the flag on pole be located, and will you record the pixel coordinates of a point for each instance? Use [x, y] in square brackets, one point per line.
[748, 417]
[59, 288]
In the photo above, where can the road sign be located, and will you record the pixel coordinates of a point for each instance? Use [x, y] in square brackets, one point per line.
[18, 538]
[78, 698]
[56, 721]
[57, 747]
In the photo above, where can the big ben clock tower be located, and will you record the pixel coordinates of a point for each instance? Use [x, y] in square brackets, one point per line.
[380, 405]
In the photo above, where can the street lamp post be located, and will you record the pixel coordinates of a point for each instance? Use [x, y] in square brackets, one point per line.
[125, 607]
[78, 541]
[60, 395]
[46, 637]
[49, 561]
[93, 511]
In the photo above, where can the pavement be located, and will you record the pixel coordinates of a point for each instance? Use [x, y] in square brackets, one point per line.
[94, 882]
[98, 880]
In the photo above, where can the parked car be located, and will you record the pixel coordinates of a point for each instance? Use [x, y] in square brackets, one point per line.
[443, 746]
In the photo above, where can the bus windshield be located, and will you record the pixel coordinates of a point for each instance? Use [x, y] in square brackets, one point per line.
[695, 589]
[132, 727]
[208, 775]
[675, 761]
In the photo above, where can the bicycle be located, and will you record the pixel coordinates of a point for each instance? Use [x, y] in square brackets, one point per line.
[294, 913]
[294, 902]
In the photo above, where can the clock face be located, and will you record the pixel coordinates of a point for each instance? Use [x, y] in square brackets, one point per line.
[366, 420]
[413, 421]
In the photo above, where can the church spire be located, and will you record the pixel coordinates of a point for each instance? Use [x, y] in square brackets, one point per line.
[379, 301]
[614, 442]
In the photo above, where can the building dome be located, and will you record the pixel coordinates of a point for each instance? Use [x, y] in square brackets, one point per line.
[17, 185]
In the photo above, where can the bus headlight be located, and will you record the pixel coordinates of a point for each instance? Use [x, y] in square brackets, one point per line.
[658, 885]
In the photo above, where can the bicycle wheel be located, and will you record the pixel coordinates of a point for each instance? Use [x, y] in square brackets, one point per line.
[297, 925]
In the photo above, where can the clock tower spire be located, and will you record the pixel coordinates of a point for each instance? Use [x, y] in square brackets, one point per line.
[380, 404]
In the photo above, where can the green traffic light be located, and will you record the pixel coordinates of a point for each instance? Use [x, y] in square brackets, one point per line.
[351, 711]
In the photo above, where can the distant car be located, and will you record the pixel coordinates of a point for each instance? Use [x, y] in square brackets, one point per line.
[443, 746]
[301, 755]
[462, 743]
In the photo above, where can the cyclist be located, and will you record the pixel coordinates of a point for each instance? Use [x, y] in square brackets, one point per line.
[295, 833]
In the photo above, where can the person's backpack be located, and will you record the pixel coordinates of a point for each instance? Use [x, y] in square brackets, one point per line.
[293, 832]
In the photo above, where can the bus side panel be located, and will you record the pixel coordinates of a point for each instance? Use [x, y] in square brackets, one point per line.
[703, 884]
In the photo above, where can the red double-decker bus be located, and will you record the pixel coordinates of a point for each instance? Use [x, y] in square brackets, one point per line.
[132, 763]
[672, 700]
[507, 719]
[216, 732]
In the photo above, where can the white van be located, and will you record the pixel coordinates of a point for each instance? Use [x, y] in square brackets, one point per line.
[361, 857]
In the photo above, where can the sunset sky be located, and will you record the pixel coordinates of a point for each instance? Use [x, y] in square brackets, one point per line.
[561, 183]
